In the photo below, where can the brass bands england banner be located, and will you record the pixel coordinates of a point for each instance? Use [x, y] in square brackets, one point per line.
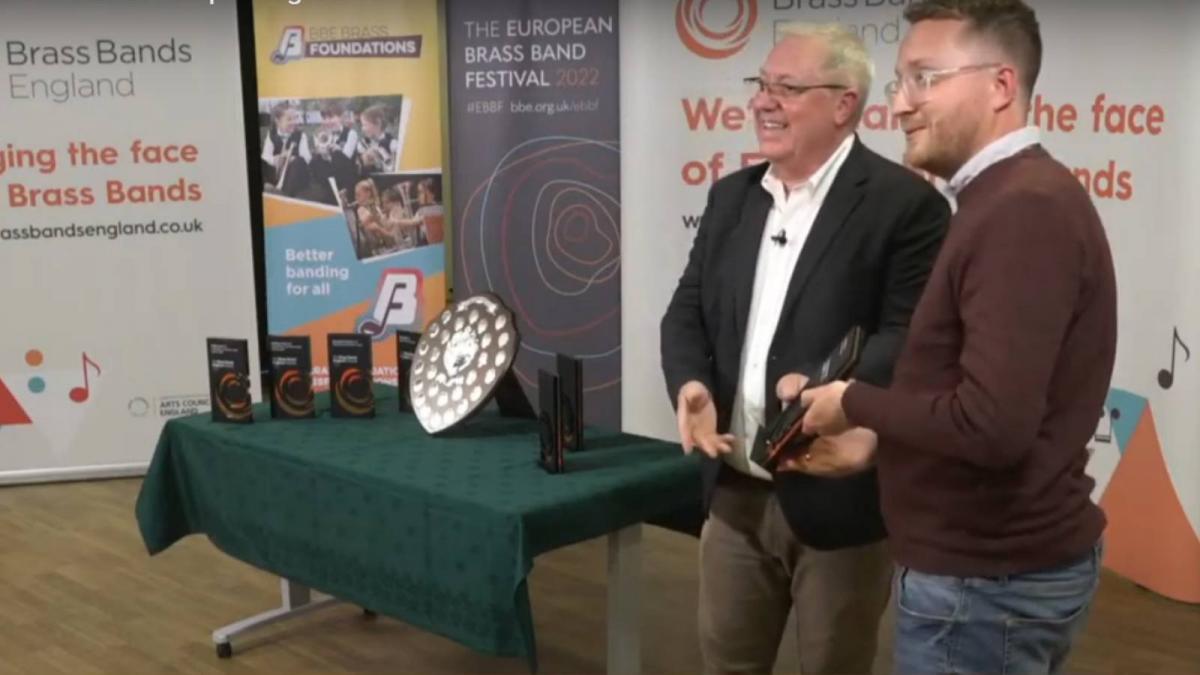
[125, 233]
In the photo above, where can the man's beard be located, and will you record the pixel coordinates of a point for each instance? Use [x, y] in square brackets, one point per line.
[946, 148]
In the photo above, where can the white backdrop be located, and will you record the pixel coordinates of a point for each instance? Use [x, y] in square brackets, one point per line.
[130, 302]
[1134, 54]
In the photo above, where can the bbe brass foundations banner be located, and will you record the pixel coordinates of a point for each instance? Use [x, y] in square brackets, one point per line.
[350, 144]
[124, 226]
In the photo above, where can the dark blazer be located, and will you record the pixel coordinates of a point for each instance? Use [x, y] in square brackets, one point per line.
[865, 262]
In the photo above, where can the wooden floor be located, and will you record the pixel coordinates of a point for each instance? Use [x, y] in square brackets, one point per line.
[79, 594]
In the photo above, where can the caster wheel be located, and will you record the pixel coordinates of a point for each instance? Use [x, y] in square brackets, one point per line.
[224, 650]
[369, 614]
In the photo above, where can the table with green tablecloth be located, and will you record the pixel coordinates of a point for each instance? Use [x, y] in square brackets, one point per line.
[440, 532]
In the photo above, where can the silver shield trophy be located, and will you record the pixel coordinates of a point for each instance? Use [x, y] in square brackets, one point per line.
[460, 361]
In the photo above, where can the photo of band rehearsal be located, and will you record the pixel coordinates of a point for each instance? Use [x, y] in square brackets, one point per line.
[600, 336]
[346, 152]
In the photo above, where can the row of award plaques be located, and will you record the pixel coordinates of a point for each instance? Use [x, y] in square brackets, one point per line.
[462, 361]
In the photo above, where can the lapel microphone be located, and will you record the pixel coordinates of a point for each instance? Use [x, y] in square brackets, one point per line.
[780, 238]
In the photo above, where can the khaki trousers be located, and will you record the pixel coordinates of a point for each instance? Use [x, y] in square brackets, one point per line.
[753, 571]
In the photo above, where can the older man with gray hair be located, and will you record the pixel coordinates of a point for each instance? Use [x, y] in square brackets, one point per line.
[789, 255]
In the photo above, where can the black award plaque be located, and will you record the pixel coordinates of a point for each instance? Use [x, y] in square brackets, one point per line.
[784, 433]
[570, 388]
[406, 348]
[550, 436]
[350, 373]
[229, 380]
[291, 377]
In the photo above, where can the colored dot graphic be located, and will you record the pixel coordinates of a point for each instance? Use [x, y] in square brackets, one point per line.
[34, 358]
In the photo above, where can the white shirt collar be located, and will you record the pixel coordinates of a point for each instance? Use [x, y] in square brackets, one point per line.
[1002, 148]
[813, 183]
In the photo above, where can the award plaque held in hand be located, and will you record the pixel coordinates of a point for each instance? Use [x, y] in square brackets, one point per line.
[784, 432]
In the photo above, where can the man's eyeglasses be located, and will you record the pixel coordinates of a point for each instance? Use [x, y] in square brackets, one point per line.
[916, 86]
[784, 91]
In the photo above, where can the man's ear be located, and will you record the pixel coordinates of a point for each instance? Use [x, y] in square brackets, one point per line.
[847, 106]
[1006, 88]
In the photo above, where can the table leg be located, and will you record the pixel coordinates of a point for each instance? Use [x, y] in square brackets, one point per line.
[296, 599]
[624, 608]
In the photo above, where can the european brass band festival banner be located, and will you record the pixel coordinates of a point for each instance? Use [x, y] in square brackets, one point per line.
[535, 163]
[125, 234]
[349, 114]
[1116, 102]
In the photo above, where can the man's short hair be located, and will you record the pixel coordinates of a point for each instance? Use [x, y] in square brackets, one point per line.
[848, 56]
[1010, 25]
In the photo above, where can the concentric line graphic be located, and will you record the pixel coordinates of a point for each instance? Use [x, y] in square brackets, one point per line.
[542, 230]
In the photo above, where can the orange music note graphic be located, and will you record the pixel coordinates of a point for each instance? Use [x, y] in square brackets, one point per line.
[1167, 377]
[80, 394]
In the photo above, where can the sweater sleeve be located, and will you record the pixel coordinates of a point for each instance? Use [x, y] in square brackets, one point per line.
[1017, 290]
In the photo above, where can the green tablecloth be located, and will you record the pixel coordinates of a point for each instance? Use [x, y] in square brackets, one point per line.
[439, 532]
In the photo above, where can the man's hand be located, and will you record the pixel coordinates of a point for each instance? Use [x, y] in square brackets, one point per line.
[697, 418]
[835, 456]
[825, 416]
[789, 387]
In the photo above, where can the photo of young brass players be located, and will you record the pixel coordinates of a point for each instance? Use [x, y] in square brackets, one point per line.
[314, 149]
[393, 213]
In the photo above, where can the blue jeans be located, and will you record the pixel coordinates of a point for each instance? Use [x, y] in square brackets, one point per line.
[1022, 623]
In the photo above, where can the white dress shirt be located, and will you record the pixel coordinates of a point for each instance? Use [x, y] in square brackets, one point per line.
[1002, 148]
[793, 212]
[269, 150]
[351, 145]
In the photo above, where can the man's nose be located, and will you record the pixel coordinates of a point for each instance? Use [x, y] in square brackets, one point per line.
[900, 104]
[760, 100]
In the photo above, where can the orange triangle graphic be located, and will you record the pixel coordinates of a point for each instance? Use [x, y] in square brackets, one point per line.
[1149, 539]
[11, 412]
[279, 211]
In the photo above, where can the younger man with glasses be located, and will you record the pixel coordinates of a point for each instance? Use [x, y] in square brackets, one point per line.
[983, 434]
[788, 257]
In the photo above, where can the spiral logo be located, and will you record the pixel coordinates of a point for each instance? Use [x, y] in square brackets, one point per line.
[353, 390]
[711, 43]
[293, 393]
[233, 396]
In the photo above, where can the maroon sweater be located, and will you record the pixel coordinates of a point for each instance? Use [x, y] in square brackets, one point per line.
[983, 433]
